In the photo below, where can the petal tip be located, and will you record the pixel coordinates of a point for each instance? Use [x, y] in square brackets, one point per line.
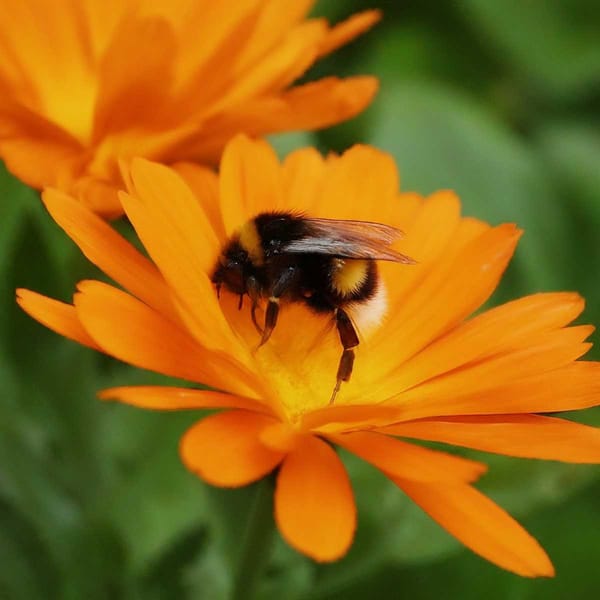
[109, 395]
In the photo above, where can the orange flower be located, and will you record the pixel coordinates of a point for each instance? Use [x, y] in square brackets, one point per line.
[428, 372]
[91, 81]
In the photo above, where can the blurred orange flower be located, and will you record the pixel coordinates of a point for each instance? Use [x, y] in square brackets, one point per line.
[87, 82]
[428, 372]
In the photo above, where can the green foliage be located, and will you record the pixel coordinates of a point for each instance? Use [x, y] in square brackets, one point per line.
[496, 100]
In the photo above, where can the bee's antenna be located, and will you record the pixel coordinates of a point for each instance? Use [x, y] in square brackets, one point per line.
[241, 302]
[218, 286]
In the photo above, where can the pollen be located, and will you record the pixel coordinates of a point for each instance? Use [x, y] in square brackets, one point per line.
[349, 275]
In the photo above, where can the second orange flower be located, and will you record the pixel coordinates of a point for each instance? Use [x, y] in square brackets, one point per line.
[86, 82]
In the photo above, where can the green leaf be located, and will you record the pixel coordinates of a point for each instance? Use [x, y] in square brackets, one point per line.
[153, 500]
[23, 553]
[551, 44]
[568, 531]
[15, 200]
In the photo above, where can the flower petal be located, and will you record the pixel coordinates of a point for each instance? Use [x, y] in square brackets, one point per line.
[140, 54]
[572, 387]
[274, 20]
[308, 107]
[146, 339]
[361, 184]
[174, 398]
[550, 351]
[57, 316]
[249, 182]
[36, 151]
[172, 204]
[526, 436]
[35, 59]
[204, 183]
[347, 30]
[499, 329]
[408, 461]
[104, 247]
[452, 291]
[481, 525]
[225, 449]
[302, 175]
[435, 235]
[314, 505]
[277, 69]
[172, 226]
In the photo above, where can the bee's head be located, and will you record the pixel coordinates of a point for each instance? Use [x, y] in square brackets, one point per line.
[232, 269]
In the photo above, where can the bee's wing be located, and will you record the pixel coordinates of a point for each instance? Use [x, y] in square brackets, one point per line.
[349, 239]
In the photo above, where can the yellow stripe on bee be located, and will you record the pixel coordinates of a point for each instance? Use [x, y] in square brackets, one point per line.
[349, 275]
[250, 241]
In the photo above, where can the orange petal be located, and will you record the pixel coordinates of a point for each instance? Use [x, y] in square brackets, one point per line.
[274, 19]
[35, 60]
[347, 30]
[302, 175]
[204, 183]
[172, 204]
[497, 330]
[225, 449]
[304, 107]
[526, 436]
[140, 54]
[57, 316]
[134, 333]
[249, 182]
[284, 63]
[407, 461]
[210, 38]
[481, 525]
[104, 247]
[547, 352]
[314, 505]
[37, 151]
[572, 387]
[178, 236]
[430, 236]
[174, 398]
[101, 197]
[342, 418]
[452, 291]
[361, 184]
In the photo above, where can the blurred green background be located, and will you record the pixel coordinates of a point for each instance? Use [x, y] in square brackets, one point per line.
[499, 100]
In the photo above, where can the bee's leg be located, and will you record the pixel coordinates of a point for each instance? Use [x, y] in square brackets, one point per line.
[271, 315]
[254, 291]
[349, 339]
[254, 319]
[280, 286]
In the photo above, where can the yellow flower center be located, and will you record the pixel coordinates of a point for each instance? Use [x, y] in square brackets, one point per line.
[299, 362]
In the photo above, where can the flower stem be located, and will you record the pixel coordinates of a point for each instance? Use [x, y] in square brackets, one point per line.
[256, 542]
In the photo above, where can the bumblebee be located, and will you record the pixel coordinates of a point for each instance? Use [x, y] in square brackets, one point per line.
[329, 265]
